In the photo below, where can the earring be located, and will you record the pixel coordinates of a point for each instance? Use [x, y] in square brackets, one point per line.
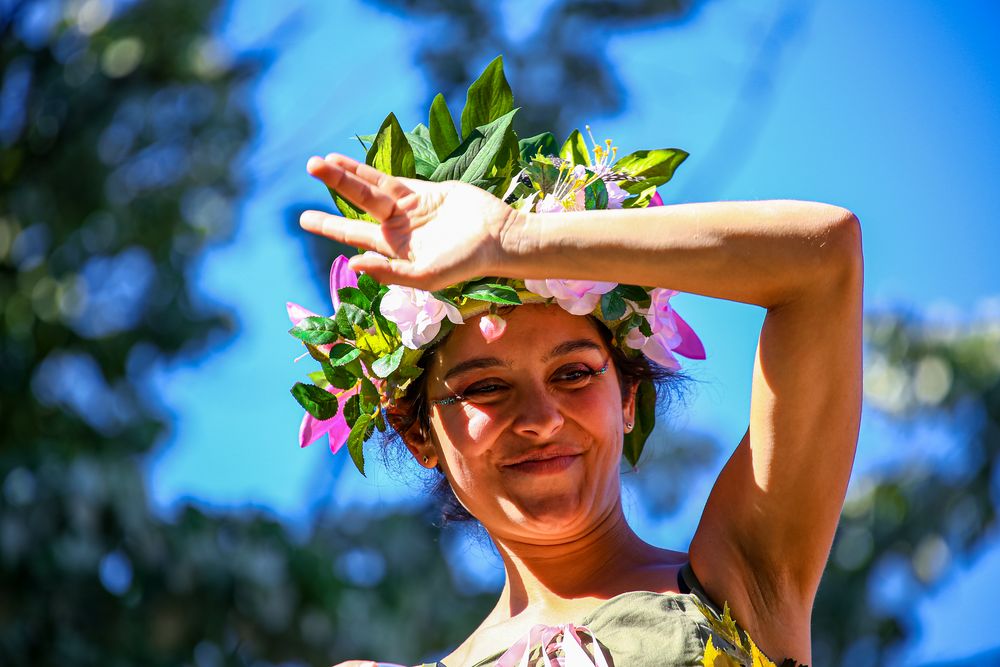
[628, 427]
[426, 459]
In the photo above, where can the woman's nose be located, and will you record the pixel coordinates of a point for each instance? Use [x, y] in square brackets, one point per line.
[538, 414]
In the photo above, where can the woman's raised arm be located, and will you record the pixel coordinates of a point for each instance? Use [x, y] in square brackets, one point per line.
[766, 531]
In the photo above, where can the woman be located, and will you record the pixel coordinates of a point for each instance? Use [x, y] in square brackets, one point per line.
[528, 429]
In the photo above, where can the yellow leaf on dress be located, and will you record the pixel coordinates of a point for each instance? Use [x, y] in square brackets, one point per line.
[759, 659]
[715, 658]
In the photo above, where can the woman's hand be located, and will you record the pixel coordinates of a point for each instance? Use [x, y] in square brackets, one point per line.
[433, 234]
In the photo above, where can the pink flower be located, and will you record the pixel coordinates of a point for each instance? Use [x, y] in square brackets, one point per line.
[670, 333]
[556, 645]
[312, 429]
[340, 276]
[579, 297]
[417, 314]
[492, 327]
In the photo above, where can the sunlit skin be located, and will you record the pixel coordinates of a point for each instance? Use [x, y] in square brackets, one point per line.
[768, 524]
[557, 522]
[538, 401]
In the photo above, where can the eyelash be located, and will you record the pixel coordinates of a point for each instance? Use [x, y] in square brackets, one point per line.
[474, 390]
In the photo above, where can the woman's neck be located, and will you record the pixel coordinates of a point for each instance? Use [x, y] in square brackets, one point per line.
[607, 560]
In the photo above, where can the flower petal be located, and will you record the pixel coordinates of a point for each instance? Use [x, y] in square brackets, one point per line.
[655, 350]
[312, 429]
[340, 276]
[492, 327]
[297, 313]
[691, 346]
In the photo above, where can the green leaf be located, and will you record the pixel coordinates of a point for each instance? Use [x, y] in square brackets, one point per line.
[575, 149]
[319, 379]
[352, 410]
[355, 297]
[338, 376]
[380, 422]
[444, 136]
[478, 153]
[369, 395]
[384, 366]
[540, 144]
[424, 156]
[642, 199]
[349, 210]
[320, 403]
[352, 320]
[645, 420]
[369, 286]
[343, 354]
[391, 153]
[632, 293]
[596, 196]
[355, 441]
[654, 167]
[492, 292]
[489, 98]
[543, 174]
[612, 306]
[316, 330]
[317, 354]
[420, 130]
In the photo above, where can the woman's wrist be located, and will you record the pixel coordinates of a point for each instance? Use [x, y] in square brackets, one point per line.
[518, 241]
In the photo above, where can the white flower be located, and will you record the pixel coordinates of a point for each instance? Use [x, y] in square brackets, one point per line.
[616, 195]
[579, 297]
[417, 314]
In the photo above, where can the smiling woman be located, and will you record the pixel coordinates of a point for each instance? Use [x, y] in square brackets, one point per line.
[528, 415]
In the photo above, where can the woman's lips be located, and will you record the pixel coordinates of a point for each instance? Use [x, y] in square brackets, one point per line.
[544, 466]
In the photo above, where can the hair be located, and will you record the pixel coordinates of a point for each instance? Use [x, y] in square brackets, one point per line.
[412, 411]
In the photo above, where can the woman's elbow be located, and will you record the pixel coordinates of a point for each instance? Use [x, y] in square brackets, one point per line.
[843, 261]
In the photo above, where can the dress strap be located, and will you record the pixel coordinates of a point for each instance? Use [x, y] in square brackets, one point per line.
[688, 582]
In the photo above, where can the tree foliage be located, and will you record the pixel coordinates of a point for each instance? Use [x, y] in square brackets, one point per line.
[908, 524]
[561, 71]
[119, 132]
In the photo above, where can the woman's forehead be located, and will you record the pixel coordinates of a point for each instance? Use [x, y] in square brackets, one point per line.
[533, 333]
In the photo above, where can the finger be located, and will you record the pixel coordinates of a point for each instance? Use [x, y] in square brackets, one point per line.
[344, 230]
[396, 188]
[389, 271]
[353, 188]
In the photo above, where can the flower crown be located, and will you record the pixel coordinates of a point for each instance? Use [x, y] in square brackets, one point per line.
[369, 348]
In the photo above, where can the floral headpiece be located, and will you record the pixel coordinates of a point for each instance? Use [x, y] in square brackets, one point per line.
[369, 348]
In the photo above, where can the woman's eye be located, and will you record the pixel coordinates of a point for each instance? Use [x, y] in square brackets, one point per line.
[575, 374]
[484, 389]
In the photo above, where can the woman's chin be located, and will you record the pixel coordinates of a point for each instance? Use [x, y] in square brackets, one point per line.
[554, 516]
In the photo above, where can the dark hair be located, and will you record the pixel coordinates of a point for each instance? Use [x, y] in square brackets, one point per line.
[411, 411]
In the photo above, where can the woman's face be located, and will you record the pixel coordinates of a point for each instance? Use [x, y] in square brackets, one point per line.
[532, 449]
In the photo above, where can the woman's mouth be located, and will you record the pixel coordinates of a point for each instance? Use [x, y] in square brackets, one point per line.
[544, 466]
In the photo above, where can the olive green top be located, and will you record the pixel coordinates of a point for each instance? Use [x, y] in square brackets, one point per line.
[644, 629]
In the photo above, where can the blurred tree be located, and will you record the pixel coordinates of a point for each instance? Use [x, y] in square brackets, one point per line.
[120, 125]
[902, 528]
[560, 71]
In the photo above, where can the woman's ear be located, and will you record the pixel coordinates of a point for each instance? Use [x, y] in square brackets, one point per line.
[416, 441]
[628, 406]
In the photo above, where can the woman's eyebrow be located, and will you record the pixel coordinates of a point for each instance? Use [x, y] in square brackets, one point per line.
[572, 346]
[474, 365]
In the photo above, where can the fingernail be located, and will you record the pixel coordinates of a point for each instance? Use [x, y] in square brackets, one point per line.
[314, 163]
[311, 219]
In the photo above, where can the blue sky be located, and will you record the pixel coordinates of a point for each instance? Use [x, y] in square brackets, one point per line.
[886, 108]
